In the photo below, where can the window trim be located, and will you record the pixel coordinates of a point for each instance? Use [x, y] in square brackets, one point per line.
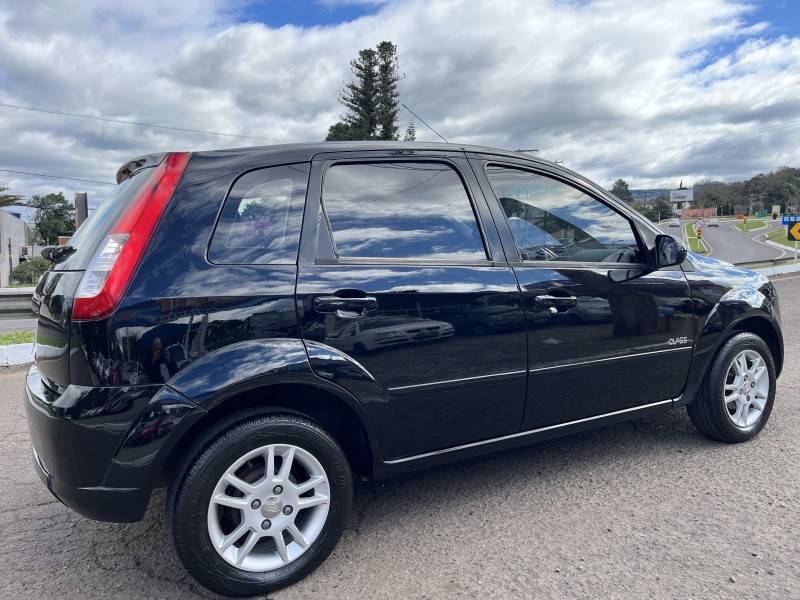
[377, 260]
[643, 266]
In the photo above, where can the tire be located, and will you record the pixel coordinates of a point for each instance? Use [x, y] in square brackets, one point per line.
[738, 392]
[241, 532]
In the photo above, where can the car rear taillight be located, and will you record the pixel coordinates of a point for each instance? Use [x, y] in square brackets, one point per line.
[112, 268]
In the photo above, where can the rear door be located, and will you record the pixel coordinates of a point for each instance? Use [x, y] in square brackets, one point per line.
[606, 332]
[402, 271]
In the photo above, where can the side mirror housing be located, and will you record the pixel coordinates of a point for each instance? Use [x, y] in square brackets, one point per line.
[669, 251]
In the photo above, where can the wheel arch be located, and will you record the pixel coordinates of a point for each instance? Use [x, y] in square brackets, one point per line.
[272, 375]
[330, 409]
[717, 330]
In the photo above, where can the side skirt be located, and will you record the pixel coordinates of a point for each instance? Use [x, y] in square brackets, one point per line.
[446, 455]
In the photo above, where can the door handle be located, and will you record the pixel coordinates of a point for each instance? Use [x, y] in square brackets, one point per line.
[345, 308]
[547, 300]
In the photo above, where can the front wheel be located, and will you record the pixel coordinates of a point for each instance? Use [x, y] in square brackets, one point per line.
[738, 392]
[260, 505]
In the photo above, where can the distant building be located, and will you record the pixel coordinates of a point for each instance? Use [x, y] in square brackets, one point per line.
[693, 213]
[681, 199]
[13, 231]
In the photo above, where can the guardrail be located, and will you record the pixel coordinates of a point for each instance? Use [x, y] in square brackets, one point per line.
[16, 302]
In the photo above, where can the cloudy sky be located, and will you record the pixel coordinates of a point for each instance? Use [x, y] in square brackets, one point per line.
[652, 92]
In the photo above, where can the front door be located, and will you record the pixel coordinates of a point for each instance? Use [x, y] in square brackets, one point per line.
[606, 332]
[408, 280]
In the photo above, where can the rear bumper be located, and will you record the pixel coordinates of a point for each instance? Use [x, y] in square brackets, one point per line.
[100, 450]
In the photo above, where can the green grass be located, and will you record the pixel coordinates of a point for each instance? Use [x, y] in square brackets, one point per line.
[17, 337]
[751, 224]
[695, 245]
[779, 236]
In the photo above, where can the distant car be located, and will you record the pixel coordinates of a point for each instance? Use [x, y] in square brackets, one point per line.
[674, 222]
[713, 222]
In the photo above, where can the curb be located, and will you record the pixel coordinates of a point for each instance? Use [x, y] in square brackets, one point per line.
[16, 355]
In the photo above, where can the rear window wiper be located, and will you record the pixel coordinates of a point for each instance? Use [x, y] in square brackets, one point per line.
[57, 253]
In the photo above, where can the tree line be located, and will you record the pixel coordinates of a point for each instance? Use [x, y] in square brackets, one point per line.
[761, 192]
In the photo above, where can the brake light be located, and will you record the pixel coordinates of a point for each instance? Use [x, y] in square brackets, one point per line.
[112, 268]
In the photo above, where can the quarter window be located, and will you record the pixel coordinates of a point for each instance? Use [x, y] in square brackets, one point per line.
[551, 220]
[260, 222]
[402, 211]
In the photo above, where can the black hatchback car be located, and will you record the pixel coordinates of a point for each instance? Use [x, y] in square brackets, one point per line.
[253, 328]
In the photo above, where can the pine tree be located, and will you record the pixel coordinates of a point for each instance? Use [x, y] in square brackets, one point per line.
[371, 98]
[388, 76]
[411, 132]
[359, 96]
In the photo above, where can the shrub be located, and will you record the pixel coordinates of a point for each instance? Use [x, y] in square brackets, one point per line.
[30, 270]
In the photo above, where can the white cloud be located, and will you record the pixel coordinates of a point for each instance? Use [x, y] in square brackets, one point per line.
[586, 82]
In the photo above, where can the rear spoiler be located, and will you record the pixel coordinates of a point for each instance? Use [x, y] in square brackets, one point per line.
[143, 162]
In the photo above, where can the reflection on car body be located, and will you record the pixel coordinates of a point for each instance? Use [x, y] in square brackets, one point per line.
[589, 309]
[374, 333]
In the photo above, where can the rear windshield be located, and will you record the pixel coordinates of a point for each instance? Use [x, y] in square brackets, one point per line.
[90, 235]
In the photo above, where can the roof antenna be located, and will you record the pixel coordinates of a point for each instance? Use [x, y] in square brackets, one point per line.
[423, 122]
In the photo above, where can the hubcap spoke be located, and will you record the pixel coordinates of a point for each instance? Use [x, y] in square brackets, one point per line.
[269, 462]
[233, 537]
[230, 501]
[309, 485]
[242, 486]
[281, 548]
[298, 537]
[312, 501]
[244, 551]
[740, 365]
[286, 467]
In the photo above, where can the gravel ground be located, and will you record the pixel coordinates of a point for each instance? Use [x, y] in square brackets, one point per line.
[647, 508]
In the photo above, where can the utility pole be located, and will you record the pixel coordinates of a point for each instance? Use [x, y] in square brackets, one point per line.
[10, 262]
[81, 208]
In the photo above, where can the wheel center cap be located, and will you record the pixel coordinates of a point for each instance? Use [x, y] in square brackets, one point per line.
[272, 507]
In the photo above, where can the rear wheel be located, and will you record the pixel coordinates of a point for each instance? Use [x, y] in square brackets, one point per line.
[260, 505]
[738, 392]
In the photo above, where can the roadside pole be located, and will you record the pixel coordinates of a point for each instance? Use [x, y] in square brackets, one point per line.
[792, 223]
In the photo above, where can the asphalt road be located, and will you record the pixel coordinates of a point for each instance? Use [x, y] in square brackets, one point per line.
[11, 324]
[642, 509]
[731, 245]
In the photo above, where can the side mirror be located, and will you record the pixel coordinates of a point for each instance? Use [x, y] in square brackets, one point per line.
[669, 251]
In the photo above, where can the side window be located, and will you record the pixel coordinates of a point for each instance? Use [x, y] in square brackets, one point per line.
[401, 210]
[551, 220]
[260, 222]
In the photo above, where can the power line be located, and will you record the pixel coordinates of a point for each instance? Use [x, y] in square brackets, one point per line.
[108, 120]
[57, 177]
[423, 122]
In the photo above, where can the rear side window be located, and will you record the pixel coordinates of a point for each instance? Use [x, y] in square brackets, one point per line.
[260, 222]
[401, 211]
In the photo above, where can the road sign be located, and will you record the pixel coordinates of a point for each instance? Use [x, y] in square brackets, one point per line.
[699, 224]
[794, 232]
[785, 220]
